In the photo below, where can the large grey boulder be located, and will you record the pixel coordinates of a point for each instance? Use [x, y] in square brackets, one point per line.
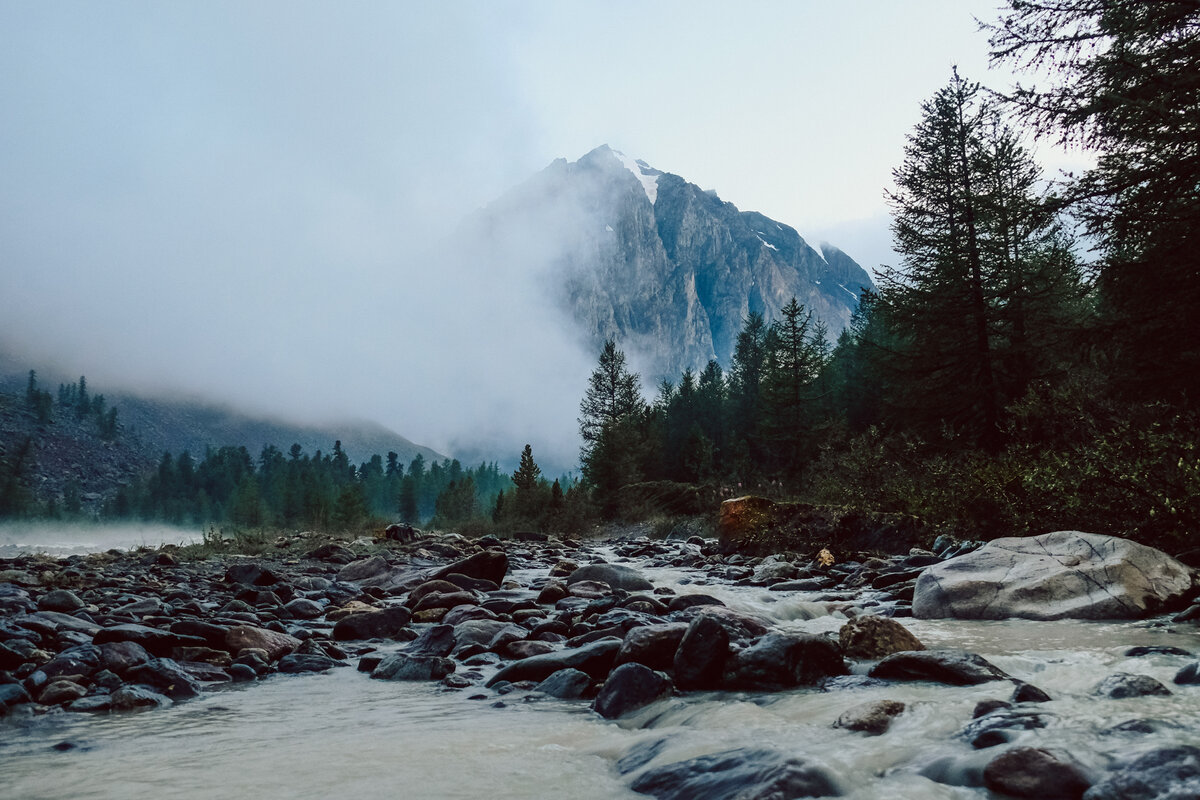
[1061, 575]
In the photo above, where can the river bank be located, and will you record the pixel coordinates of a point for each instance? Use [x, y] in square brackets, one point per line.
[479, 645]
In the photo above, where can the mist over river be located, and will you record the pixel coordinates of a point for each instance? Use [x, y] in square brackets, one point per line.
[78, 538]
[340, 734]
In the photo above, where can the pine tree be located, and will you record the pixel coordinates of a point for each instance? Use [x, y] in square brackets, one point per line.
[611, 423]
[1122, 81]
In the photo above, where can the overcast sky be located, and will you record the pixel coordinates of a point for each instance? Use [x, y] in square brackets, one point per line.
[249, 201]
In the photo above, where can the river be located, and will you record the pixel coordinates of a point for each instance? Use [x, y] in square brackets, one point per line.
[341, 734]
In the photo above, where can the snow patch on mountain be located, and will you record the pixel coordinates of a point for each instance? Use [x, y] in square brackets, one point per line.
[639, 168]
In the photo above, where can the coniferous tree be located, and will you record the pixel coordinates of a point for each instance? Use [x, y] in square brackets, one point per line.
[1121, 80]
[612, 424]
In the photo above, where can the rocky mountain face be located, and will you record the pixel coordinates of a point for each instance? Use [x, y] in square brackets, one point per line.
[667, 269]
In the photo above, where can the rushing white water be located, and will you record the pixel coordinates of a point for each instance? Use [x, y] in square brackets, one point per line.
[343, 735]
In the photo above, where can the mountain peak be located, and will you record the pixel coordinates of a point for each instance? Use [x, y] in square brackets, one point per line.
[646, 175]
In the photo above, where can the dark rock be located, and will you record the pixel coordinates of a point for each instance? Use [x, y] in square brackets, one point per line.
[385, 623]
[61, 692]
[436, 640]
[1155, 650]
[469, 584]
[1189, 674]
[333, 552]
[166, 676]
[640, 755]
[489, 565]
[240, 673]
[1164, 774]
[869, 637]
[629, 687]
[157, 642]
[364, 569]
[1122, 685]
[255, 660]
[307, 662]
[999, 727]
[596, 659]
[407, 667]
[618, 576]
[652, 645]
[551, 593]
[56, 621]
[700, 659]
[398, 532]
[954, 667]
[212, 634]
[483, 632]
[984, 707]
[94, 704]
[303, 608]
[81, 660]
[251, 574]
[10, 659]
[566, 684]
[417, 593]
[525, 649]
[1028, 693]
[739, 626]
[132, 697]
[749, 774]
[1035, 773]
[682, 601]
[12, 694]
[872, 718]
[445, 600]
[122, 656]
[275, 644]
[62, 600]
[782, 661]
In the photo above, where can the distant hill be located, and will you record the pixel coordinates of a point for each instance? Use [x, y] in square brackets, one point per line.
[67, 457]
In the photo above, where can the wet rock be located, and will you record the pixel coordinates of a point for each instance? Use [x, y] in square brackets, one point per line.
[308, 662]
[469, 584]
[1028, 693]
[130, 698]
[274, 643]
[1066, 574]
[1035, 773]
[240, 673]
[462, 614]
[212, 634]
[446, 600]
[60, 692]
[618, 576]
[596, 659]
[120, 657]
[157, 641]
[303, 608]
[409, 667]
[251, 574]
[682, 601]
[551, 593]
[482, 633]
[872, 637]
[740, 626]
[331, 551]
[872, 718]
[1123, 685]
[954, 667]
[700, 659]
[437, 586]
[1168, 773]
[57, 621]
[747, 773]
[566, 684]
[9, 658]
[144, 607]
[1189, 674]
[94, 704]
[782, 661]
[436, 640]
[384, 623]
[639, 755]
[166, 676]
[652, 645]
[62, 600]
[12, 694]
[81, 660]
[525, 649]
[14, 599]
[256, 660]
[1000, 726]
[489, 565]
[1155, 650]
[629, 687]
[364, 569]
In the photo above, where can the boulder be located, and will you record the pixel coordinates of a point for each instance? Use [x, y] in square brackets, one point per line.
[954, 667]
[156, 640]
[308, 662]
[871, 637]
[63, 600]
[629, 687]
[652, 645]
[1123, 685]
[782, 661]
[700, 659]
[872, 718]
[409, 667]
[618, 576]
[275, 644]
[1166, 773]
[596, 659]
[1061, 575]
[385, 623]
[566, 684]
[364, 569]
[490, 565]
[131, 697]
[741, 773]
[1035, 773]
[61, 692]
[166, 676]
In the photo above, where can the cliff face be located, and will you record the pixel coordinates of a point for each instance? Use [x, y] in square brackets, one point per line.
[668, 270]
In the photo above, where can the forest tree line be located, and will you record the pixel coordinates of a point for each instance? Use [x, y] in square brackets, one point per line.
[1032, 362]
